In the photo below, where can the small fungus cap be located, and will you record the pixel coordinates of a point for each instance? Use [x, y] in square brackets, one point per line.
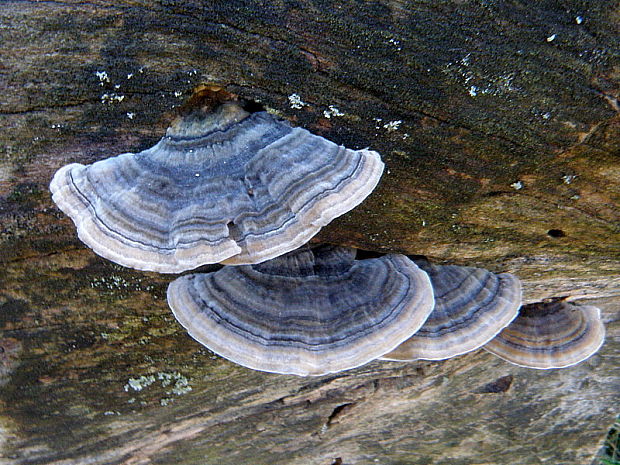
[309, 312]
[472, 305]
[221, 186]
[550, 335]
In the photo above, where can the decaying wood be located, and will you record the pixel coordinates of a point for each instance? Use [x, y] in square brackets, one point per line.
[499, 125]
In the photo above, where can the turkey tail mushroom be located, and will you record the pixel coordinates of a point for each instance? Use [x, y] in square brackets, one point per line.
[550, 335]
[472, 305]
[309, 312]
[222, 186]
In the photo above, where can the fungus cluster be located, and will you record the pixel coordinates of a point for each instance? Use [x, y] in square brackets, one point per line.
[248, 190]
[227, 186]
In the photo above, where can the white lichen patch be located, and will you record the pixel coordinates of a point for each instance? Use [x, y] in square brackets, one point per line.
[332, 110]
[112, 98]
[111, 282]
[392, 125]
[389, 126]
[115, 282]
[477, 82]
[541, 113]
[103, 77]
[460, 69]
[497, 85]
[518, 185]
[296, 102]
[568, 178]
[395, 43]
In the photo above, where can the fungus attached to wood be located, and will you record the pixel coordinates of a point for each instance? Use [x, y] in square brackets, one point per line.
[550, 335]
[309, 312]
[472, 305]
[222, 186]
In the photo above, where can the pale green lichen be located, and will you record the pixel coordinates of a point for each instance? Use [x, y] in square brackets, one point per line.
[180, 384]
[137, 384]
[176, 383]
[274, 112]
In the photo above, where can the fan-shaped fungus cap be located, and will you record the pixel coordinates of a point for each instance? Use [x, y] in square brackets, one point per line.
[225, 185]
[310, 312]
[550, 335]
[472, 305]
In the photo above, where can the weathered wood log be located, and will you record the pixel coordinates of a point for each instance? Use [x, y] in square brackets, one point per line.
[499, 126]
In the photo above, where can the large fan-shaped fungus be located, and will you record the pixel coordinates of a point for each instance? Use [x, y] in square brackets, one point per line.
[227, 185]
[550, 335]
[310, 312]
[471, 306]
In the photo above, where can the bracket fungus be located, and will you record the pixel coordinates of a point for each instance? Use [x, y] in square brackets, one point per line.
[225, 186]
[472, 305]
[550, 335]
[309, 312]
